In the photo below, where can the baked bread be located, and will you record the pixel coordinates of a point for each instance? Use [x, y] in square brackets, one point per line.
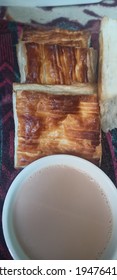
[84, 89]
[53, 120]
[107, 83]
[57, 36]
[56, 64]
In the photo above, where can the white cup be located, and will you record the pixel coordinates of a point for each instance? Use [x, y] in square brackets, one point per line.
[93, 171]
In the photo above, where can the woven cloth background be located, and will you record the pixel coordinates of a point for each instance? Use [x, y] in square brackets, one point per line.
[9, 73]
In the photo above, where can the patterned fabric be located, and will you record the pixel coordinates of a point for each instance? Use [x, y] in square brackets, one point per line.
[9, 73]
[78, 15]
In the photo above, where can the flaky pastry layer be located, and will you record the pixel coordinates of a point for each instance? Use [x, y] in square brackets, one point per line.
[57, 36]
[47, 123]
[56, 64]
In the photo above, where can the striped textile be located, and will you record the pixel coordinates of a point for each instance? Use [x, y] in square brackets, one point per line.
[8, 74]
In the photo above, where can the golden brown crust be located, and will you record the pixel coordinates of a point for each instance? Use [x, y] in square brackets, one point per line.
[53, 124]
[55, 64]
[57, 36]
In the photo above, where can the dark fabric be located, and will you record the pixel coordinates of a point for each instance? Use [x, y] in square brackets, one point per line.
[9, 73]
